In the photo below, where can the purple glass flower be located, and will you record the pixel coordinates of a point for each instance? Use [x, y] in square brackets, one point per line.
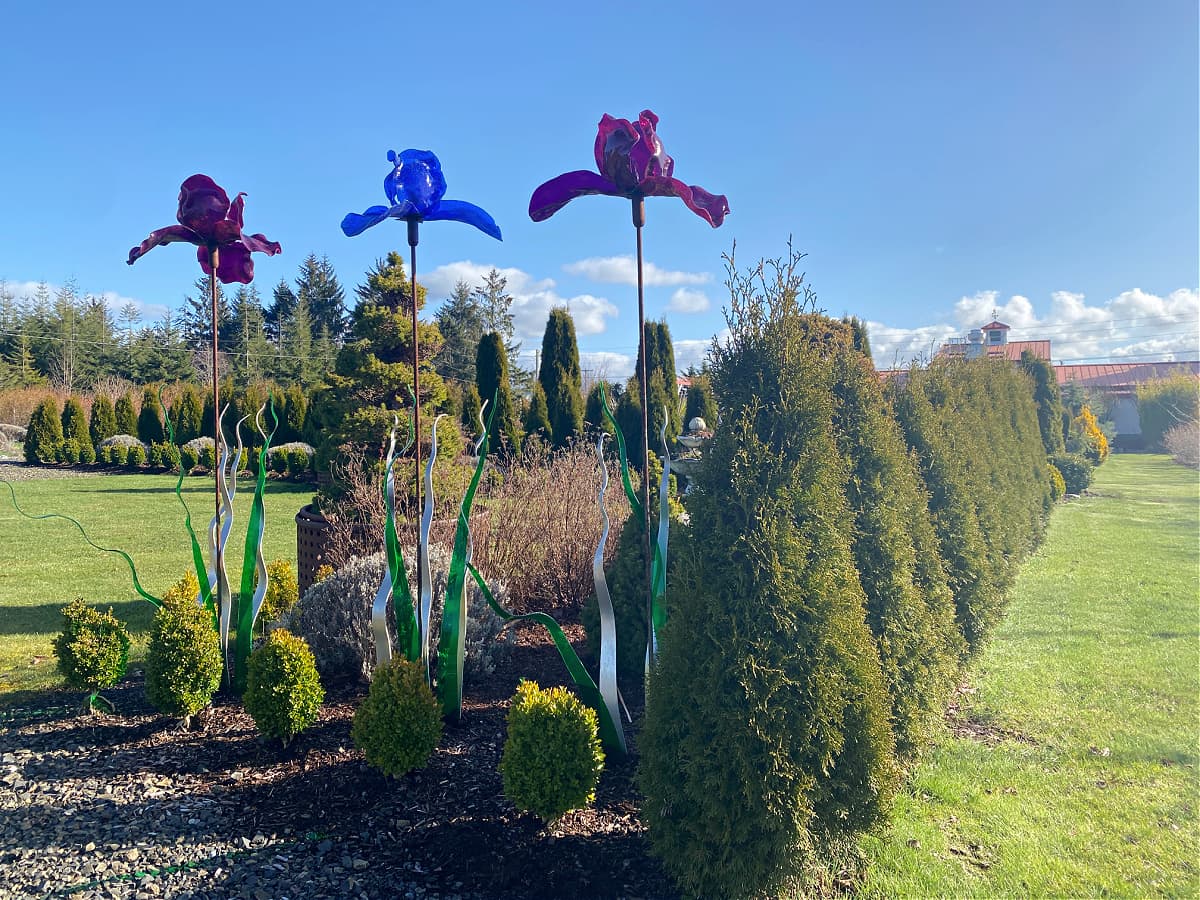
[631, 162]
[208, 220]
[415, 188]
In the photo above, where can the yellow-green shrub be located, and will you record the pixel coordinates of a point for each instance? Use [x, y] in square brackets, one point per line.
[1058, 487]
[552, 758]
[283, 691]
[399, 725]
[282, 591]
[183, 661]
[92, 649]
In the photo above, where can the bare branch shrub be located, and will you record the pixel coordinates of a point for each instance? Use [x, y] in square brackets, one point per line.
[18, 404]
[538, 526]
[1183, 443]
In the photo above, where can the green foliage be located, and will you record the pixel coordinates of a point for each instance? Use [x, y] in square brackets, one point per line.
[117, 454]
[68, 452]
[126, 414]
[92, 648]
[283, 691]
[87, 454]
[766, 734]
[910, 609]
[492, 381]
[660, 361]
[208, 456]
[189, 458]
[298, 463]
[552, 758]
[44, 437]
[593, 409]
[136, 457]
[149, 424]
[75, 428]
[1075, 469]
[188, 416]
[1058, 485]
[282, 591]
[700, 402]
[183, 660]
[1048, 399]
[537, 417]
[103, 422]
[626, 578]
[294, 412]
[469, 411]
[399, 725]
[1165, 403]
[561, 379]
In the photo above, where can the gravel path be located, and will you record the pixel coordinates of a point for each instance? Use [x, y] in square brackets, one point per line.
[18, 470]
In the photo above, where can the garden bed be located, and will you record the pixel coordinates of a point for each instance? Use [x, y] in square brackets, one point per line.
[129, 806]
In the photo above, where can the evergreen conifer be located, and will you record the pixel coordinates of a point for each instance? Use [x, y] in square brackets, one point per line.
[149, 423]
[561, 379]
[103, 421]
[126, 415]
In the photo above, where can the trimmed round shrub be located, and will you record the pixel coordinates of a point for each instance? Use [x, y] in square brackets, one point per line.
[282, 591]
[183, 661]
[136, 457]
[399, 725]
[92, 649]
[283, 691]
[1058, 486]
[116, 454]
[552, 758]
[208, 457]
[298, 463]
[279, 462]
[154, 456]
[1075, 470]
[87, 454]
[189, 458]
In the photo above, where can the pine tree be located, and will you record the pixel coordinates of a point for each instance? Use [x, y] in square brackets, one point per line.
[537, 417]
[249, 348]
[126, 414]
[283, 301]
[461, 323]
[561, 378]
[103, 421]
[297, 344]
[317, 284]
[197, 315]
[491, 372]
[149, 423]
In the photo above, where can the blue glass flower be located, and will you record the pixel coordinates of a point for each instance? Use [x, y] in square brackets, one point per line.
[415, 188]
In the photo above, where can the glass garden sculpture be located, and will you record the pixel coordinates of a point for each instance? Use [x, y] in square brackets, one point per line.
[415, 188]
[214, 225]
[631, 163]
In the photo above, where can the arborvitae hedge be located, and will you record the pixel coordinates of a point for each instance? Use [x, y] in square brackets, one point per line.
[149, 423]
[561, 379]
[103, 421]
[126, 414]
[75, 427]
[188, 417]
[471, 406]
[909, 605]
[1048, 399]
[766, 732]
[44, 436]
[1165, 403]
[491, 381]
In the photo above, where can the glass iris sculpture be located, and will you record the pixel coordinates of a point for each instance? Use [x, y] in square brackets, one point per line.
[631, 163]
[415, 189]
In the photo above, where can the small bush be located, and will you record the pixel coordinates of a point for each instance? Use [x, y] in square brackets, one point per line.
[298, 463]
[189, 458]
[283, 691]
[552, 757]
[87, 454]
[399, 725]
[1183, 443]
[117, 454]
[279, 463]
[282, 591]
[183, 661]
[154, 457]
[44, 436]
[92, 649]
[1075, 470]
[69, 452]
[1058, 487]
[136, 458]
[168, 455]
[208, 457]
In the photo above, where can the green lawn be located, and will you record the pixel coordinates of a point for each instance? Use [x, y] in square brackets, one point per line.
[46, 564]
[1088, 696]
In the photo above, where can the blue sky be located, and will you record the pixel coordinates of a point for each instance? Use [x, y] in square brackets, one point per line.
[935, 160]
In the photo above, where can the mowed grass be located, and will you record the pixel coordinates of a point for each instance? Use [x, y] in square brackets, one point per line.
[46, 564]
[1083, 778]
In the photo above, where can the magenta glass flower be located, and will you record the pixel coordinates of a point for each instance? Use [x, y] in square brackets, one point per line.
[208, 220]
[631, 163]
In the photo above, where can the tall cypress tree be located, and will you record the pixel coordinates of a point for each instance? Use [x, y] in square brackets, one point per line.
[188, 419]
[561, 378]
[149, 423]
[537, 417]
[103, 421]
[126, 415]
[74, 423]
[491, 381]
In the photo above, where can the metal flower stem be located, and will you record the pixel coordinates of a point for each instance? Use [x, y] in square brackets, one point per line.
[639, 219]
[213, 260]
[413, 239]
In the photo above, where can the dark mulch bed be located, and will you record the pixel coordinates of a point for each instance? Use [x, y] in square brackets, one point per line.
[447, 825]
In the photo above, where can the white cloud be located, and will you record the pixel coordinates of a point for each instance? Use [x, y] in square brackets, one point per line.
[687, 301]
[533, 298]
[606, 365]
[148, 312]
[1132, 325]
[623, 270]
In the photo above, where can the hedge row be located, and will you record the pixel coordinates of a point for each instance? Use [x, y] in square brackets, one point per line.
[852, 549]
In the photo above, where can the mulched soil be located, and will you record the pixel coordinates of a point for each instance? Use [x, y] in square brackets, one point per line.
[108, 806]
